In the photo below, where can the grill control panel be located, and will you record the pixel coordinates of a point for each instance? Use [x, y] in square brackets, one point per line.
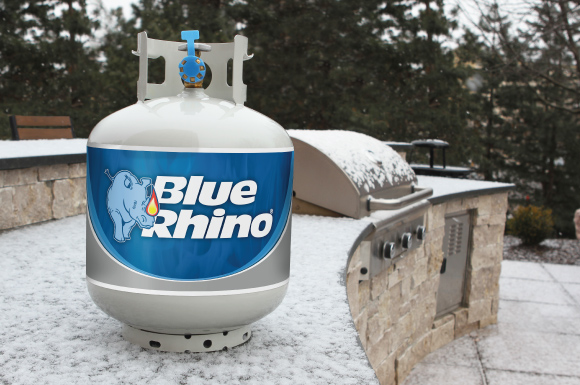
[392, 243]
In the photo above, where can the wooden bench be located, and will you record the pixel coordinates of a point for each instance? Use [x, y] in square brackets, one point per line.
[41, 127]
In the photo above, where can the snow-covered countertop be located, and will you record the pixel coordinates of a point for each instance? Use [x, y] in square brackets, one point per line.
[52, 333]
[450, 188]
[20, 154]
[41, 147]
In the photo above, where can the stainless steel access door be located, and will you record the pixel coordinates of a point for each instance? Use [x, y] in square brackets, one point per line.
[455, 254]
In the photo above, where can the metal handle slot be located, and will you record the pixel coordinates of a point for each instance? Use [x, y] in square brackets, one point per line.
[394, 204]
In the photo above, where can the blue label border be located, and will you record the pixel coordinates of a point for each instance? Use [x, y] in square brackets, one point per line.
[105, 243]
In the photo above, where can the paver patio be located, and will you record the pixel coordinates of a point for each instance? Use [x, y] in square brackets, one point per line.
[536, 340]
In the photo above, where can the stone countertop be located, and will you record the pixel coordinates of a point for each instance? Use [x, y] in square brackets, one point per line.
[445, 189]
[51, 332]
[16, 154]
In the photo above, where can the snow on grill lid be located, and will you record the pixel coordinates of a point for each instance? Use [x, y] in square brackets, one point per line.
[368, 162]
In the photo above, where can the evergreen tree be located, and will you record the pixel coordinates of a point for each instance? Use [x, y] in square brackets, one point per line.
[492, 73]
[534, 107]
[47, 68]
[428, 97]
[24, 70]
[317, 63]
[369, 66]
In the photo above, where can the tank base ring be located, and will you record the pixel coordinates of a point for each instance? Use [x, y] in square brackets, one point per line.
[188, 343]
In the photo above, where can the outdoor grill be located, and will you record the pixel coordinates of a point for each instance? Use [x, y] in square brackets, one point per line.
[351, 174]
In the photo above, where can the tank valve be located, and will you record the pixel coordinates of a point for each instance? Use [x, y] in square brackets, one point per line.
[192, 68]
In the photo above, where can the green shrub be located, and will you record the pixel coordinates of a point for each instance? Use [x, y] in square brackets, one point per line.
[531, 224]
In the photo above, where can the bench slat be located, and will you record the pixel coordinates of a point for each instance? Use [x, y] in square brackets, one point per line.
[45, 133]
[42, 121]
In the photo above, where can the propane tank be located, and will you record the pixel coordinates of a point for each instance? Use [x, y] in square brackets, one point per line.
[189, 200]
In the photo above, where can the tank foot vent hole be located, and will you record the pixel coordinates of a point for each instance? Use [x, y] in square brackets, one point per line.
[154, 344]
[207, 344]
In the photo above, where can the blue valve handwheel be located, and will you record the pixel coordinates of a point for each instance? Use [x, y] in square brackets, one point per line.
[192, 68]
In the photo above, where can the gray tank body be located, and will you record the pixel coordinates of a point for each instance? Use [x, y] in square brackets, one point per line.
[189, 121]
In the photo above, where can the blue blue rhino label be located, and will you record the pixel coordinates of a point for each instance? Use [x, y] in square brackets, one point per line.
[189, 215]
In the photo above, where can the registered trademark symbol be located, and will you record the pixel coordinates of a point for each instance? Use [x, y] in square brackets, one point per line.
[271, 211]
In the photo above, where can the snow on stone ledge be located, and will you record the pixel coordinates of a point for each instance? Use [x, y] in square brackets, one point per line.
[51, 332]
[369, 163]
[41, 147]
[451, 186]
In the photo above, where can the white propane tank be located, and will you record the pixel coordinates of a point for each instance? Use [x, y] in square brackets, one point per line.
[189, 201]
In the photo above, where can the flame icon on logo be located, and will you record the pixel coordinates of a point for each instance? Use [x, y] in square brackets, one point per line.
[153, 206]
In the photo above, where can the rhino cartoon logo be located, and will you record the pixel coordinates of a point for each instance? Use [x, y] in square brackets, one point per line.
[127, 203]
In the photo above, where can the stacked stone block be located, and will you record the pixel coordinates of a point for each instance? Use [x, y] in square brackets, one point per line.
[394, 312]
[38, 194]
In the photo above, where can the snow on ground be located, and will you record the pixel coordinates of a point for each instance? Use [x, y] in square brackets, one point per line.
[41, 147]
[368, 162]
[52, 333]
[560, 251]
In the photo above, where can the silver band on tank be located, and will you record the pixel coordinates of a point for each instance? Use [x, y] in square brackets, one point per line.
[228, 150]
[273, 269]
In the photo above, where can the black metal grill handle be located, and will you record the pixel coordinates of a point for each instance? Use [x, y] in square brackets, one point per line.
[394, 204]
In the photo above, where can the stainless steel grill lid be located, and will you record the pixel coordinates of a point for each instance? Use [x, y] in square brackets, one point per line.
[351, 173]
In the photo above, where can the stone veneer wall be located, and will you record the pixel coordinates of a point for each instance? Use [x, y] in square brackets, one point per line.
[38, 194]
[394, 312]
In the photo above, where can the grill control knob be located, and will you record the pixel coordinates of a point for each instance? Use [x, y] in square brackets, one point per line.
[407, 241]
[388, 250]
[421, 232]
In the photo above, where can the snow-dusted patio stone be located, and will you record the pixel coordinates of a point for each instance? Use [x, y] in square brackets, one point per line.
[442, 374]
[523, 351]
[573, 289]
[564, 273]
[503, 377]
[544, 318]
[462, 352]
[513, 289]
[534, 271]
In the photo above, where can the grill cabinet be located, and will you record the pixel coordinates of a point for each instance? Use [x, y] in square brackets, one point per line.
[455, 253]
